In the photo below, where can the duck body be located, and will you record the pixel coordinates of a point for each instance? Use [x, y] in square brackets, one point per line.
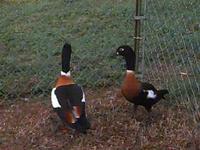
[128, 90]
[135, 91]
[68, 98]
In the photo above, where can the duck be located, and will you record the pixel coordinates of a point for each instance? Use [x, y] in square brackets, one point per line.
[68, 98]
[139, 93]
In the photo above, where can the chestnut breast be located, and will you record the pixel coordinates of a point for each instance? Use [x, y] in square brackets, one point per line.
[64, 80]
[131, 87]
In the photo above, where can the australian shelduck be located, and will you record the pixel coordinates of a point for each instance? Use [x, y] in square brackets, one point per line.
[68, 98]
[136, 92]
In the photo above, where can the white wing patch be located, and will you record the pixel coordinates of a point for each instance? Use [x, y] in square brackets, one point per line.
[151, 94]
[83, 99]
[54, 100]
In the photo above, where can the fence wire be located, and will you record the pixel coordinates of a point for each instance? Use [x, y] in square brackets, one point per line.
[172, 50]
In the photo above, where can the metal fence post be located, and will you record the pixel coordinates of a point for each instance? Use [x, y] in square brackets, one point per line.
[137, 35]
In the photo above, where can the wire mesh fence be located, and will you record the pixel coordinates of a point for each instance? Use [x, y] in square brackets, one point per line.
[33, 32]
[172, 50]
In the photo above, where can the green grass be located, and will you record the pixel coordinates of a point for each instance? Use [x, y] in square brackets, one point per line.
[33, 33]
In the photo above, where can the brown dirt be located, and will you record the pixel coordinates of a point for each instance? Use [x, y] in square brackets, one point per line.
[33, 125]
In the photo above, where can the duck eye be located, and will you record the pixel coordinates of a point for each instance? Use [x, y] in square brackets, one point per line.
[122, 49]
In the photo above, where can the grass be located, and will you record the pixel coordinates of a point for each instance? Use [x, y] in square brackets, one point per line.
[33, 33]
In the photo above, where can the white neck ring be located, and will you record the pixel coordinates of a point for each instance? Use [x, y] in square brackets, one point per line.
[65, 74]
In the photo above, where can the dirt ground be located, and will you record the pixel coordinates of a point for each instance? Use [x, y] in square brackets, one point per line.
[33, 125]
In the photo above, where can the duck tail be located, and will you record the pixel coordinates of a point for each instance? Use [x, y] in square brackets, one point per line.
[161, 93]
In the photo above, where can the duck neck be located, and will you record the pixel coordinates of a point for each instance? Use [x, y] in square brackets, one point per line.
[66, 56]
[130, 63]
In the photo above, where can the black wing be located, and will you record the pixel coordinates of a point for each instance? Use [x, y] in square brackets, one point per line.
[148, 86]
[69, 96]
